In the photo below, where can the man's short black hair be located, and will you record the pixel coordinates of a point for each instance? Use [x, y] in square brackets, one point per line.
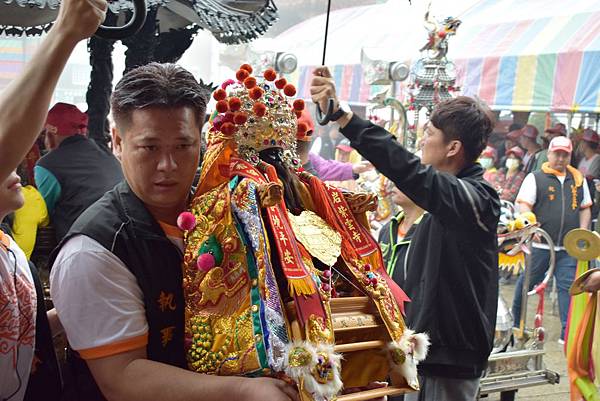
[467, 120]
[514, 127]
[158, 85]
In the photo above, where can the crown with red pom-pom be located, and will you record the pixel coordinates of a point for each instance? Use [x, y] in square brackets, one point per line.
[258, 113]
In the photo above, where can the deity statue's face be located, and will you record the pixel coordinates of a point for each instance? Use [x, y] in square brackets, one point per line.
[159, 151]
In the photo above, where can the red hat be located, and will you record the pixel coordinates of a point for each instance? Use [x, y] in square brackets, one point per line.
[489, 152]
[559, 128]
[515, 151]
[66, 119]
[530, 131]
[560, 143]
[307, 119]
[514, 135]
[589, 135]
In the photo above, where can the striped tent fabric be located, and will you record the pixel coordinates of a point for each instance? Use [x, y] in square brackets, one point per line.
[349, 79]
[534, 55]
[12, 59]
[14, 53]
[547, 60]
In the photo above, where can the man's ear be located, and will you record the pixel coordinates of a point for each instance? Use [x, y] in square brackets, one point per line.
[117, 142]
[454, 148]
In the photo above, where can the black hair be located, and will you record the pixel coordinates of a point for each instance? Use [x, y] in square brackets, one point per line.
[23, 174]
[159, 85]
[291, 194]
[467, 120]
[514, 127]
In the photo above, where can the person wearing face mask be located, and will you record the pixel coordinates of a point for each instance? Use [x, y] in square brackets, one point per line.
[511, 139]
[508, 179]
[487, 160]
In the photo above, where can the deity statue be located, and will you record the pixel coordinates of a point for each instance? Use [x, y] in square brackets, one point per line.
[269, 250]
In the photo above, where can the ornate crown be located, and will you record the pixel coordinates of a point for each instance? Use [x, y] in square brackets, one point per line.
[258, 115]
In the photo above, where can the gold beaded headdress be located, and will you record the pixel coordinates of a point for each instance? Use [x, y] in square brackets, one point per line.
[258, 115]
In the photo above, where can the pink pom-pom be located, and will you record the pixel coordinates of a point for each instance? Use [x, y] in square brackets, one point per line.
[186, 221]
[326, 273]
[225, 84]
[205, 262]
[374, 281]
[326, 287]
[367, 267]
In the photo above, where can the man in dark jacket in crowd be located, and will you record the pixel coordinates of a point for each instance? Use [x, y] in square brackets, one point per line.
[76, 172]
[452, 276]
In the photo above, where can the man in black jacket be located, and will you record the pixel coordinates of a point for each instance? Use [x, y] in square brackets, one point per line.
[452, 276]
[76, 172]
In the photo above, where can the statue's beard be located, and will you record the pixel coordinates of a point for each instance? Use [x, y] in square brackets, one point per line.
[289, 179]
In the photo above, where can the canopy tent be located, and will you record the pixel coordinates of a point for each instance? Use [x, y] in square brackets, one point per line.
[13, 55]
[537, 55]
[544, 58]
[351, 29]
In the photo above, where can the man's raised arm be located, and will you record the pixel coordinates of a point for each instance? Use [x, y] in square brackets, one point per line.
[24, 103]
[457, 202]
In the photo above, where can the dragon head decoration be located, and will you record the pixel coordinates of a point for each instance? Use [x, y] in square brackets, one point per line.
[439, 32]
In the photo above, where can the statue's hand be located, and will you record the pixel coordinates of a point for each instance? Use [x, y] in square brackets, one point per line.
[361, 202]
[270, 194]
